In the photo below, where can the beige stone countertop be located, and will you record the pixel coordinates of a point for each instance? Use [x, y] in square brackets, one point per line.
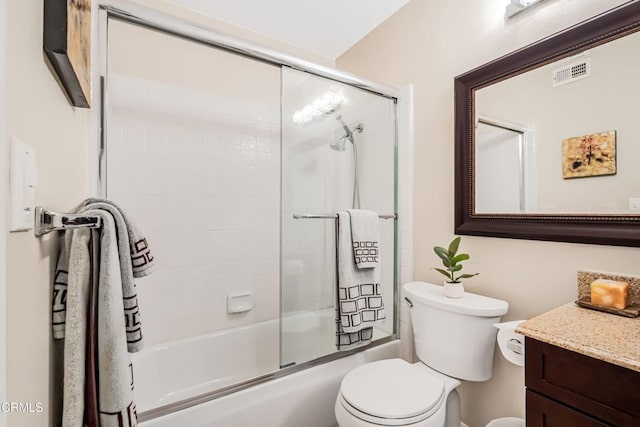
[604, 336]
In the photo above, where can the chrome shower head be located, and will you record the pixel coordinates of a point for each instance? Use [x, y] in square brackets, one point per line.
[348, 134]
[339, 145]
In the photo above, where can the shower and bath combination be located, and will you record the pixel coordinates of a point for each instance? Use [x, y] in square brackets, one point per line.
[340, 145]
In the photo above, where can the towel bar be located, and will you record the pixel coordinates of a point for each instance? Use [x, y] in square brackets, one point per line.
[46, 221]
[334, 216]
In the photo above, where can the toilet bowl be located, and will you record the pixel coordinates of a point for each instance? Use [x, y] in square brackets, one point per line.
[393, 393]
[454, 340]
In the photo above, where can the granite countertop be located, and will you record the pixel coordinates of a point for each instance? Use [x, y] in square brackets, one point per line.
[603, 336]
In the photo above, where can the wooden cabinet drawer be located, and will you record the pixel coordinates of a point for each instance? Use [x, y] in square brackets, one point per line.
[544, 412]
[605, 391]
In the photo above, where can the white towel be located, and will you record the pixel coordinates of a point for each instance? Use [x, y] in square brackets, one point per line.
[365, 236]
[359, 302]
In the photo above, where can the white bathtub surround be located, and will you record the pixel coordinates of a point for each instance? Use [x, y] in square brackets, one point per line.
[205, 367]
[197, 365]
[305, 398]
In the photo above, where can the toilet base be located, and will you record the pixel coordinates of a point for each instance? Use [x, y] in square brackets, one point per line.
[453, 410]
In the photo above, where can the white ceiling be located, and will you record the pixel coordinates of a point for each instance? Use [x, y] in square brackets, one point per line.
[326, 27]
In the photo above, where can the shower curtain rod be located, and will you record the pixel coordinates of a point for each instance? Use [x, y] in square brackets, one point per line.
[334, 216]
[46, 221]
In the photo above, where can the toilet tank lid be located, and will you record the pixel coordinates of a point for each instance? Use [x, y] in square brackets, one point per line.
[470, 304]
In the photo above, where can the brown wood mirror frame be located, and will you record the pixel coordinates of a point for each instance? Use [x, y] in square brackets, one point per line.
[619, 230]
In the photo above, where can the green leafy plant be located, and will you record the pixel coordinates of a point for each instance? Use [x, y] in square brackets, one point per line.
[452, 262]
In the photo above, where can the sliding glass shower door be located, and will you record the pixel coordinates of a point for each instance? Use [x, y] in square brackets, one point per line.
[213, 155]
[338, 153]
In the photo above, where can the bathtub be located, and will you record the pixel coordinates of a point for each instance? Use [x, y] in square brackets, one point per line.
[310, 335]
[172, 374]
[169, 373]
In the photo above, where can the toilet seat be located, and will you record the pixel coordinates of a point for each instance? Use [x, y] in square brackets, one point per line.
[391, 393]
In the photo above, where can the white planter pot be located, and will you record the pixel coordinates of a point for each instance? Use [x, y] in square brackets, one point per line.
[453, 290]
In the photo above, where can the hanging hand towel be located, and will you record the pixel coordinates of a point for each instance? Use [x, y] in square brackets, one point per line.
[135, 261]
[95, 348]
[126, 263]
[365, 237]
[359, 303]
[95, 309]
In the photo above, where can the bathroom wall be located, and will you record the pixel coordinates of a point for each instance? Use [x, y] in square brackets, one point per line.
[428, 44]
[38, 113]
[3, 207]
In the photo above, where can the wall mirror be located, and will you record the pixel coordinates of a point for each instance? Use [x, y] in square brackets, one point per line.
[548, 137]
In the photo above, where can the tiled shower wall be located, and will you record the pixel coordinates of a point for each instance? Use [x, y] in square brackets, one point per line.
[201, 175]
[193, 153]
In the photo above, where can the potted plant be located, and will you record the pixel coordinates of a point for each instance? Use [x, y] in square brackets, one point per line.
[451, 260]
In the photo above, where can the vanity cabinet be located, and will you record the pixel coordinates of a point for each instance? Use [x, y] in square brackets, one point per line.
[568, 389]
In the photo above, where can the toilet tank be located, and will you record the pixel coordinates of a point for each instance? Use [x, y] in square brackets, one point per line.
[454, 336]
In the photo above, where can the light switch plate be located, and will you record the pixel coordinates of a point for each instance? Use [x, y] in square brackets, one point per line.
[23, 178]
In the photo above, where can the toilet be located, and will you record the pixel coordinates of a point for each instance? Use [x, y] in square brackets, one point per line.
[454, 340]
